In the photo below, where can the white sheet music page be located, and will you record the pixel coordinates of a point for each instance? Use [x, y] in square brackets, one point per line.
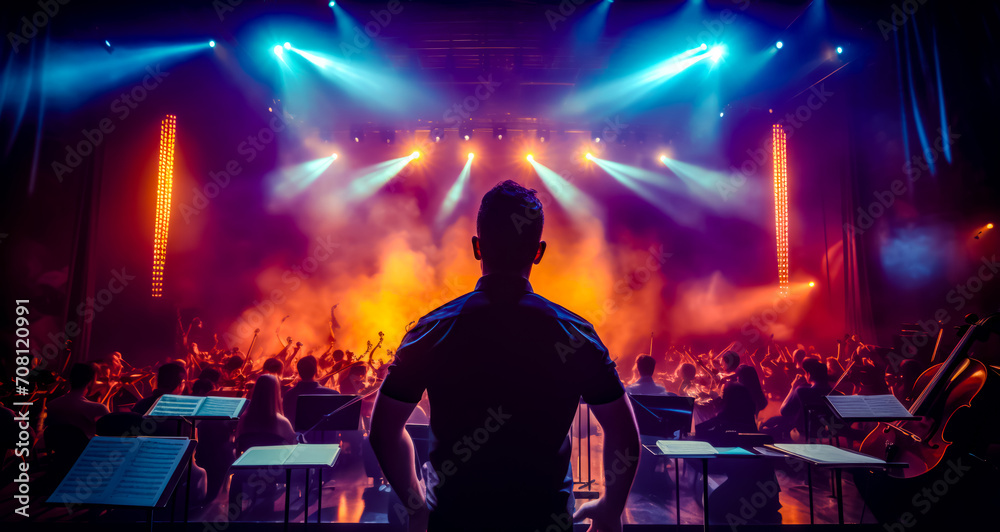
[868, 406]
[826, 453]
[314, 454]
[691, 447]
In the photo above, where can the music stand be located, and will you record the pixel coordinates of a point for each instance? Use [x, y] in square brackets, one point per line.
[663, 415]
[310, 411]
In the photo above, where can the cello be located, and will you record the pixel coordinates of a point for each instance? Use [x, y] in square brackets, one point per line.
[957, 406]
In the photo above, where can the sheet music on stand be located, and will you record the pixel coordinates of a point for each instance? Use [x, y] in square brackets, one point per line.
[197, 407]
[303, 455]
[868, 408]
[137, 472]
[686, 448]
[828, 455]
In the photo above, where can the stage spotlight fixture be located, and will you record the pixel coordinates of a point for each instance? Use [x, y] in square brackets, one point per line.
[471, 155]
[465, 132]
[840, 49]
[663, 159]
[288, 46]
[415, 155]
[589, 157]
[331, 4]
[499, 132]
[334, 156]
[357, 133]
[812, 284]
[211, 44]
[388, 136]
[530, 158]
[543, 135]
[779, 45]
[436, 134]
[596, 135]
[704, 46]
[278, 50]
[989, 226]
[107, 46]
[717, 52]
[722, 114]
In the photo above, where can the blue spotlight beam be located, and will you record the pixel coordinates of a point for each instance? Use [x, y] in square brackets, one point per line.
[374, 177]
[641, 182]
[624, 91]
[74, 73]
[293, 180]
[455, 192]
[371, 85]
[579, 205]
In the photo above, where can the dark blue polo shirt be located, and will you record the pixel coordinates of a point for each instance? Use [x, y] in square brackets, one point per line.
[504, 371]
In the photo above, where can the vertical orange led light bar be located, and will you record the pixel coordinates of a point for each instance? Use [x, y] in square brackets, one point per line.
[781, 206]
[164, 184]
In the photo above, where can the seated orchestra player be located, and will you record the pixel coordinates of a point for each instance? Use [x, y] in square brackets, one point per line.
[307, 367]
[263, 414]
[792, 412]
[216, 449]
[747, 376]
[644, 385]
[273, 366]
[686, 373]
[74, 408]
[498, 434]
[743, 477]
[169, 381]
[730, 361]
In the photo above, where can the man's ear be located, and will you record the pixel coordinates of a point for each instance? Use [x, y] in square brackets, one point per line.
[539, 253]
[475, 248]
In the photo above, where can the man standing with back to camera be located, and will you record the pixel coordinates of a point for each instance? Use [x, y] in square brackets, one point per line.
[504, 370]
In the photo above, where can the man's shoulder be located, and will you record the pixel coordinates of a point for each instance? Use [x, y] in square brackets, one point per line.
[557, 311]
[450, 309]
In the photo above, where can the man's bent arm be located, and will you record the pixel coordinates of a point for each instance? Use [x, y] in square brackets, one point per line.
[621, 449]
[394, 450]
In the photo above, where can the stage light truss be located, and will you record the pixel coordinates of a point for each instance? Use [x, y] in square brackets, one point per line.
[164, 185]
[781, 205]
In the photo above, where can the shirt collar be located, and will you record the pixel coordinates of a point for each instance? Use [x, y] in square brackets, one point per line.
[499, 282]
